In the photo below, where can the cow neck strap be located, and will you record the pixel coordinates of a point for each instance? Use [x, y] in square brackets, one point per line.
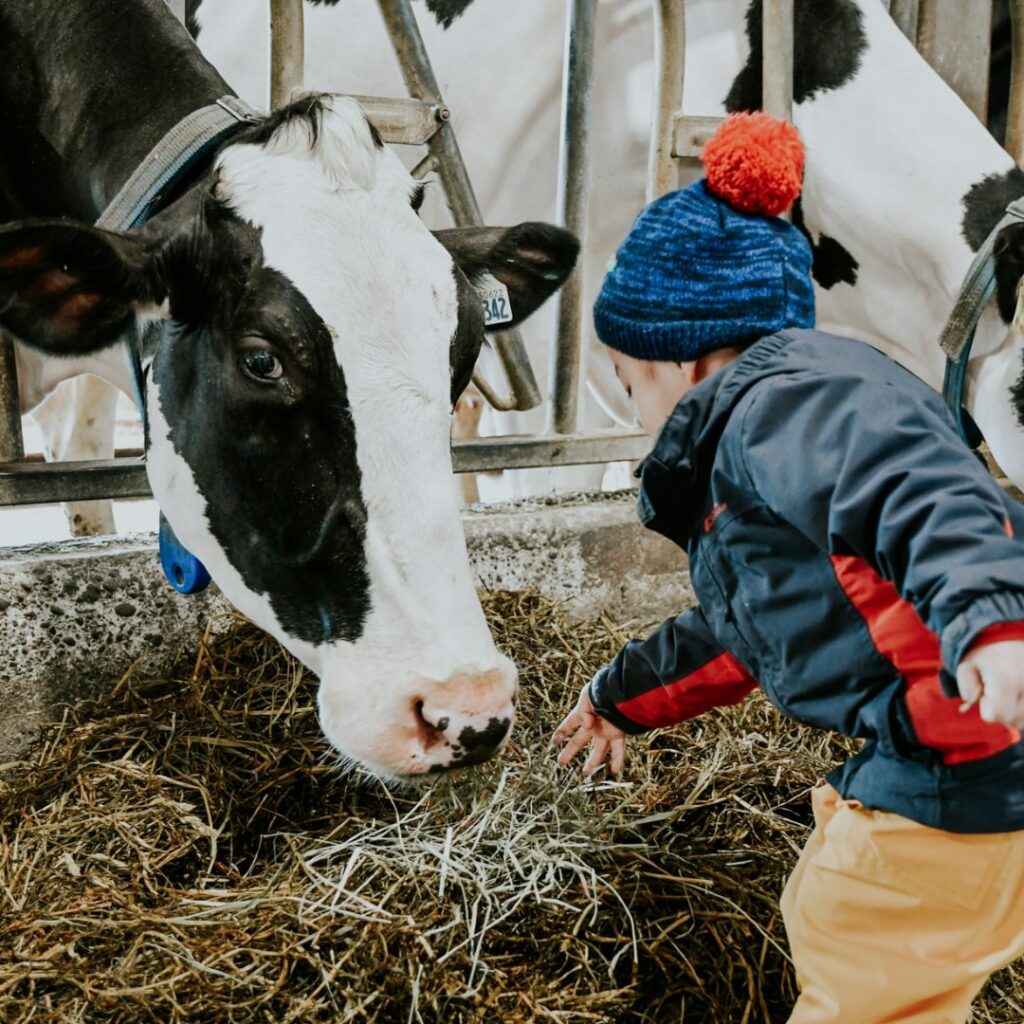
[957, 336]
[168, 163]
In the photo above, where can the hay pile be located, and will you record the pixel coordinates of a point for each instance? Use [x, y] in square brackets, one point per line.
[184, 850]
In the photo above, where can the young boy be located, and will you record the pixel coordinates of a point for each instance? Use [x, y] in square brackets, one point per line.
[851, 557]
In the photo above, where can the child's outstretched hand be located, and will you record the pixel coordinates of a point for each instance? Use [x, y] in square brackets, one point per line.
[992, 677]
[584, 724]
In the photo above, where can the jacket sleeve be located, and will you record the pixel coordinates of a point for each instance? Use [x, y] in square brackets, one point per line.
[680, 671]
[875, 469]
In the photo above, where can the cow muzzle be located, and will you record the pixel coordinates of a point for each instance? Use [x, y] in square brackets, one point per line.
[465, 719]
[425, 725]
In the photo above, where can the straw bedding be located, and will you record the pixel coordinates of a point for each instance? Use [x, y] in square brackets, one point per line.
[187, 850]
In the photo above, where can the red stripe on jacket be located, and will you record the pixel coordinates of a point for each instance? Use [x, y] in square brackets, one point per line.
[716, 683]
[912, 648]
[1000, 631]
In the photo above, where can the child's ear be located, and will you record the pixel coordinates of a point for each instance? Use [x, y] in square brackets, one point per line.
[696, 370]
[531, 261]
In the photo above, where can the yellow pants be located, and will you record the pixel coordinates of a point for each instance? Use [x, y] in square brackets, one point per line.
[892, 922]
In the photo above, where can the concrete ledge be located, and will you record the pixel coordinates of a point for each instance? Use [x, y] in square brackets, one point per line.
[76, 616]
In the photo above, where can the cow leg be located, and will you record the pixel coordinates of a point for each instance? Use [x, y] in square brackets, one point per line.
[77, 422]
[466, 423]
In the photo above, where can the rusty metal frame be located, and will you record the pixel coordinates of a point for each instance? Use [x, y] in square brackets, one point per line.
[1015, 111]
[573, 195]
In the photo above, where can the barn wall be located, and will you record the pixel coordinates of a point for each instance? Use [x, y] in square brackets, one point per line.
[76, 616]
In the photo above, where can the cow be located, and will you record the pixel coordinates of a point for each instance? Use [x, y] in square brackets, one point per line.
[301, 334]
[902, 182]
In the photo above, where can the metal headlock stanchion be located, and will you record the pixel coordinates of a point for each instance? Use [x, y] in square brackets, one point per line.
[670, 62]
[12, 448]
[573, 192]
[777, 62]
[287, 50]
[906, 14]
[1014, 143]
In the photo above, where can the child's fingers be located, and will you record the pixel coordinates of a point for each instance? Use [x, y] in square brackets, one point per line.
[598, 752]
[618, 754]
[575, 744]
[968, 682]
[570, 723]
[1001, 701]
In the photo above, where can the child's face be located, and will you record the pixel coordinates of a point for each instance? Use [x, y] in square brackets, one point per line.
[655, 387]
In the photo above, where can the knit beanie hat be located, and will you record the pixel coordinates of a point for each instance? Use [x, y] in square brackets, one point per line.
[712, 265]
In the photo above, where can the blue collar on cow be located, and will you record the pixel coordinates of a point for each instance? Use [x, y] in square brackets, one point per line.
[169, 165]
[958, 335]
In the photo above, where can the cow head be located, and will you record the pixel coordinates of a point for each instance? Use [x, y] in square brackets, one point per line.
[312, 335]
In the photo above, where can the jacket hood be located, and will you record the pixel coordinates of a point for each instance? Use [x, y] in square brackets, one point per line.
[675, 477]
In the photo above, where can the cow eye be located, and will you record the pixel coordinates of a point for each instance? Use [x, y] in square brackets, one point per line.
[261, 364]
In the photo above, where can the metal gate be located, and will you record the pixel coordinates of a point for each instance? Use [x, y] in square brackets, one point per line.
[952, 34]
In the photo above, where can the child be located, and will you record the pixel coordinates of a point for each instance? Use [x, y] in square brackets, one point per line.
[850, 556]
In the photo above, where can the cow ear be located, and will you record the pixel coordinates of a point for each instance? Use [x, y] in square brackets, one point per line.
[68, 288]
[531, 261]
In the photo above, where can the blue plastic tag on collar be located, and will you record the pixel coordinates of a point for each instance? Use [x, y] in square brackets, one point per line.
[183, 570]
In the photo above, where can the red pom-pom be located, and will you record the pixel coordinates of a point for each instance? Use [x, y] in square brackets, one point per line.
[755, 163]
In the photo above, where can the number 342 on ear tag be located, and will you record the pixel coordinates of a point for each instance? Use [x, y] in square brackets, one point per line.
[494, 296]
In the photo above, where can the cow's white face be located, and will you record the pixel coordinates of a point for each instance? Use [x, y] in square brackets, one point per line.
[299, 416]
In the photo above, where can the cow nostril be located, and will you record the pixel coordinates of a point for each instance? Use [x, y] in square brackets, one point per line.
[431, 733]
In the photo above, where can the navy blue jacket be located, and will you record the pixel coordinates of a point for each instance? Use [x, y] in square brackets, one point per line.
[846, 549]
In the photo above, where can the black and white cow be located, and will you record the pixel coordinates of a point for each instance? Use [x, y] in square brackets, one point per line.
[310, 334]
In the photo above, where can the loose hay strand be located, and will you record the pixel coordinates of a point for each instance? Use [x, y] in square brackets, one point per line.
[185, 850]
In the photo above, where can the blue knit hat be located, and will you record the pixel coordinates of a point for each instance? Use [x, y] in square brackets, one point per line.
[711, 265]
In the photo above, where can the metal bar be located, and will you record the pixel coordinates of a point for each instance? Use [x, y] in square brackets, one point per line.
[955, 37]
[1015, 110]
[422, 85]
[691, 133]
[481, 455]
[11, 443]
[403, 122]
[37, 483]
[906, 14]
[573, 190]
[426, 166]
[493, 398]
[670, 61]
[777, 65]
[287, 57]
